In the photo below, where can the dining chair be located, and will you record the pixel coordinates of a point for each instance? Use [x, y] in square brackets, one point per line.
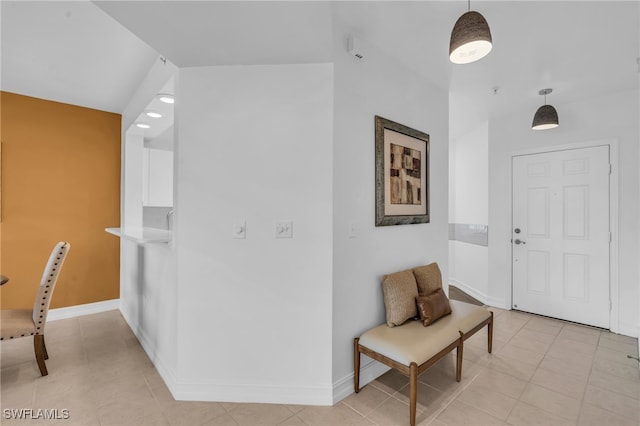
[17, 323]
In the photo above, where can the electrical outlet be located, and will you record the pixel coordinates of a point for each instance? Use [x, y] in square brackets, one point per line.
[352, 230]
[284, 229]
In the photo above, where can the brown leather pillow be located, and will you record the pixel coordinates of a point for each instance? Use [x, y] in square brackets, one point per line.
[433, 307]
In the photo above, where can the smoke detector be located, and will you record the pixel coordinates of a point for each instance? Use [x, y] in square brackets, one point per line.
[354, 47]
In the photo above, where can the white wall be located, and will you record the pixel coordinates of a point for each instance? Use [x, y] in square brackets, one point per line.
[148, 301]
[471, 177]
[469, 198]
[147, 272]
[614, 116]
[376, 85]
[254, 144]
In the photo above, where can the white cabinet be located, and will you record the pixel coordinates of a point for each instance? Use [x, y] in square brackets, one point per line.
[157, 178]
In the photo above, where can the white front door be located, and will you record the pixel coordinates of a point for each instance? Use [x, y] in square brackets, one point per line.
[560, 235]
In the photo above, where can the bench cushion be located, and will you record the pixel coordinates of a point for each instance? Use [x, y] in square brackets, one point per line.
[413, 342]
[464, 316]
[410, 342]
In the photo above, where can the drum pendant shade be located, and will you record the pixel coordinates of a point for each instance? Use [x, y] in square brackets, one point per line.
[546, 116]
[470, 39]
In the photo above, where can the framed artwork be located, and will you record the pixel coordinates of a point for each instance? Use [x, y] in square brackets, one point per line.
[402, 174]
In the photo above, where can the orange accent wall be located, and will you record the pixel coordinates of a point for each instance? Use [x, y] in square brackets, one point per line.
[60, 180]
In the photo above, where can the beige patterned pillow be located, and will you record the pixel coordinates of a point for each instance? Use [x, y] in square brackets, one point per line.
[428, 277]
[400, 291]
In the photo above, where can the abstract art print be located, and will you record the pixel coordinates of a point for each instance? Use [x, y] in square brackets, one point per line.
[402, 178]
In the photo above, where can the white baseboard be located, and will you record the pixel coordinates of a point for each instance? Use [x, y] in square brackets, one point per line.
[165, 372]
[628, 330]
[487, 300]
[368, 373]
[79, 310]
[225, 392]
[254, 393]
[470, 291]
[498, 303]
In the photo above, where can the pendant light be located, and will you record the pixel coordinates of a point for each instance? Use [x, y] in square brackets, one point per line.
[470, 38]
[546, 116]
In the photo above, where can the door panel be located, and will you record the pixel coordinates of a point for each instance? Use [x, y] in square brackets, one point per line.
[561, 237]
[538, 208]
[576, 277]
[538, 272]
[576, 212]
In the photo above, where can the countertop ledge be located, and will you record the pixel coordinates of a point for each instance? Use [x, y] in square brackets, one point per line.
[142, 235]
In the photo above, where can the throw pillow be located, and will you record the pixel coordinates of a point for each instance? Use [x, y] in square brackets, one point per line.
[428, 277]
[400, 291]
[433, 306]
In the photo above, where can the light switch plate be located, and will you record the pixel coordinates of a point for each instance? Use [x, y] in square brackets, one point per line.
[240, 229]
[284, 229]
[353, 230]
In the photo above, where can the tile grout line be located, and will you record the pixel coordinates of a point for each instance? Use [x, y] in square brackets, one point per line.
[529, 382]
[584, 395]
[591, 370]
[451, 398]
[153, 395]
[372, 410]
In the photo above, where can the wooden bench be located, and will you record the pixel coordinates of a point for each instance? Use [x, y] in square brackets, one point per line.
[412, 348]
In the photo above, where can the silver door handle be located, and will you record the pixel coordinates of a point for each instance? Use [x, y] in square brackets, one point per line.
[518, 241]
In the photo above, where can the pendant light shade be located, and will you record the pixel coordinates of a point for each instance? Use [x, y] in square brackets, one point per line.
[546, 116]
[470, 39]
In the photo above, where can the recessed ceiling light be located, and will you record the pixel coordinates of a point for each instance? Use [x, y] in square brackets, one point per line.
[153, 114]
[166, 98]
[143, 125]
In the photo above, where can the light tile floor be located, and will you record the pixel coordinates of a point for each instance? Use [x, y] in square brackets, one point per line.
[542, 372]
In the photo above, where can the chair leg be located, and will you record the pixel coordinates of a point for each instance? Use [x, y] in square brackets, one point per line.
[356, 365]
[38, 345]
[44, 347]
[490, 334]
[460, 353]
[413, 392]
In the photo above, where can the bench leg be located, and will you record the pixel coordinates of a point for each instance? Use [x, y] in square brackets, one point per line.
[490, 334]
[413, 392]
[459, 353]
[356, 365]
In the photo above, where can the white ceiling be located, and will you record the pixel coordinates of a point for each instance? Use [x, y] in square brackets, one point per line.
[579, 48]
[201, 33]
[70, 52]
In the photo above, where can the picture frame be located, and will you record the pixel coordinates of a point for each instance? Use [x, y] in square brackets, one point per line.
[402, 174]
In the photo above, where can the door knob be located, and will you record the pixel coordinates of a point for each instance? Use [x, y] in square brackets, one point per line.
[518, 241]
